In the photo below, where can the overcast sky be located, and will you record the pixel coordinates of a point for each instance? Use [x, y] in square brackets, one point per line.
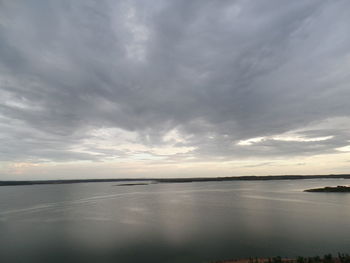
[160, 88]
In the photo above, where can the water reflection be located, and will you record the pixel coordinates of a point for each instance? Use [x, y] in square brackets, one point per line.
[193, 222]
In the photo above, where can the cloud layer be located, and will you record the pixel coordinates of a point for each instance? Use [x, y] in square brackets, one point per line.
[173, 80]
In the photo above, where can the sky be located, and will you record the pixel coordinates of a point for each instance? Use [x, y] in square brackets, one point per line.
[160, 88]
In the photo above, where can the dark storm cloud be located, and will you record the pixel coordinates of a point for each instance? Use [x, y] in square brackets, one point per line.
[217, 71]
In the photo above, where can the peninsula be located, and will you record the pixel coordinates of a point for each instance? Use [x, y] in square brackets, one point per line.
[328, 189]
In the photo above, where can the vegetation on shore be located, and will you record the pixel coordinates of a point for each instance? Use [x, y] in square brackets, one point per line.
[341, 258]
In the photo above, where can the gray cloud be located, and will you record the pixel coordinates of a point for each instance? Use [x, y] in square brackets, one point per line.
[216, 71]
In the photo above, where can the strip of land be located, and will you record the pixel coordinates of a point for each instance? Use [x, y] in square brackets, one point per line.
[328, 189]
[179, 180]
[131, 184]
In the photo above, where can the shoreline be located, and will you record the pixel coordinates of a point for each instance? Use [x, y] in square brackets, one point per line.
[178, 180]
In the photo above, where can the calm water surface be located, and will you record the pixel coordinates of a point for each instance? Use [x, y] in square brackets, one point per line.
[192, 222]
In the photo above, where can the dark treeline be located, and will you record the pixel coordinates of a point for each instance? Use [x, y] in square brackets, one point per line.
[253, 178]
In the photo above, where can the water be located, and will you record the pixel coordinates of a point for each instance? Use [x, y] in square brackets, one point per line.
[183, 222]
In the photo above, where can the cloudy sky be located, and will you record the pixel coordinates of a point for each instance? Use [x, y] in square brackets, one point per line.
[163, 88]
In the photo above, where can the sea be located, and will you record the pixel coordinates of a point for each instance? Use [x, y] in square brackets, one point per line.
[172, 222]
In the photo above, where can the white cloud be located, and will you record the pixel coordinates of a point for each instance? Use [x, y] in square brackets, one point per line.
[251, 141]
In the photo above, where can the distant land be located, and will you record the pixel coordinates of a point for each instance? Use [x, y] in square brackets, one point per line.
[328, 189]
[179, 180]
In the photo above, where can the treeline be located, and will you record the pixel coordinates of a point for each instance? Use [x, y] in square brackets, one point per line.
[252, 178]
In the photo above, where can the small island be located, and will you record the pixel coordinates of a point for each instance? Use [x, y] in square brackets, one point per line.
[328, 189]
[131, 184]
